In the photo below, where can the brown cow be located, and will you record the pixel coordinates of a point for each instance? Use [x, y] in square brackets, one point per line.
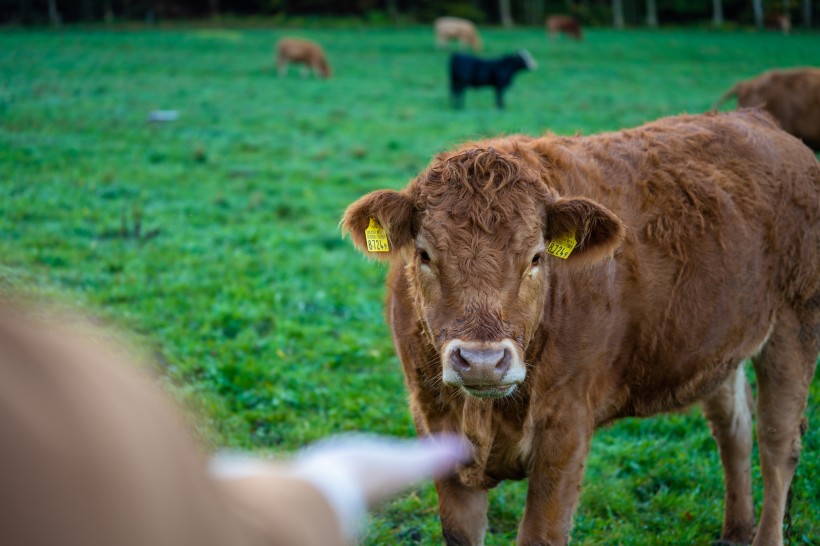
[305, 52]
[456, 28]
[563, 23]
[792, 96]
[777, 21]
[542, 287]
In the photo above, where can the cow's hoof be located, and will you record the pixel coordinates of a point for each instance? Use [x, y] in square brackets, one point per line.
[722, 542]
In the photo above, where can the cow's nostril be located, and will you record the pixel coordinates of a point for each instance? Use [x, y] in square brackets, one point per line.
[460, 363]
[504, 364]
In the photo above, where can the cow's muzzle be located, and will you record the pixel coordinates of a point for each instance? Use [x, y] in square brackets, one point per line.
[483, 369]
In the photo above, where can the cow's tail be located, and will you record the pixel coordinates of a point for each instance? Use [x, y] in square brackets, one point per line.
[727, 96]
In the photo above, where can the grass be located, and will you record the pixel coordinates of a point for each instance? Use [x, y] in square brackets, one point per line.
[215, 238]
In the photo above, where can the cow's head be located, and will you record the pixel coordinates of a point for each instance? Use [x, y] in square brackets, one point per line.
[472, 233]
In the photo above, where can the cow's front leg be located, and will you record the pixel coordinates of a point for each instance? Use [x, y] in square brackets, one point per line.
[557, 461]
[457, 96]
[499, 97]
[463, 512]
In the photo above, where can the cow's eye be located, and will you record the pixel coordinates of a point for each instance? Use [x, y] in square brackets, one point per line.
[536, 260]
[424, 257]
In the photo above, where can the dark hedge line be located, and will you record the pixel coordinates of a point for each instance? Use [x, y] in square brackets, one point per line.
[591, 12]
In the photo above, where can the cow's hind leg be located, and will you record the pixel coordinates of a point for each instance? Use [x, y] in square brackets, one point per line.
[729, 412]
[463, 512]
[784, 370]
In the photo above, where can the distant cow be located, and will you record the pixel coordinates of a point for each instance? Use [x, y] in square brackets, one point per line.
[305, 52]
[563, 23]
[455, 28]
[469, 71]
[775, 21]
[543, 287]
[792, 96]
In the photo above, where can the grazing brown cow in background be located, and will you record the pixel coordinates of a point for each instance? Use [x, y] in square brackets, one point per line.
[305, 52]
[455, 28]
[542, 287]
[563, 23]
[792, 96]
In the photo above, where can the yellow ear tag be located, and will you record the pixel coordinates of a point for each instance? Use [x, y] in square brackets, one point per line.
[562, 245]
[376, 237]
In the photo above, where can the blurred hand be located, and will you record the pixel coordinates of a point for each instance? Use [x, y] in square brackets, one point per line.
[381, 467]
[355, 472]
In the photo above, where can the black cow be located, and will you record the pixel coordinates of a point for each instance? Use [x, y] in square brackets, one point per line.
[469, 71]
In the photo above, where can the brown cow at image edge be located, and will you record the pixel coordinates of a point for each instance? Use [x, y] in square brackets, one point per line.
[792, 96]
[696, 246]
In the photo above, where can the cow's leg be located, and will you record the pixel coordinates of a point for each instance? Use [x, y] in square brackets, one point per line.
[784, 370]
[499, 98]
[729, 412]
[282, 67]
[457, 95]
[556, 470]
[463, 512]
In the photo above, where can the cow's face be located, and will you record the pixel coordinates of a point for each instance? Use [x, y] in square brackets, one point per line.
[472, 232]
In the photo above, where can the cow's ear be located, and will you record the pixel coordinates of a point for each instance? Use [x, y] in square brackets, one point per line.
[387, 210]
[596, 230]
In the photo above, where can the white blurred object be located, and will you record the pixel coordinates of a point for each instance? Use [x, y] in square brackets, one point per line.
[355, 472]
[163, 115]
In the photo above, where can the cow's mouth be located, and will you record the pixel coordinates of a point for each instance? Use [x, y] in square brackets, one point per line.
[490, 391]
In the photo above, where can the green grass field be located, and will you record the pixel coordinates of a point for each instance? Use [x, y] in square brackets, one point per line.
[215, 238]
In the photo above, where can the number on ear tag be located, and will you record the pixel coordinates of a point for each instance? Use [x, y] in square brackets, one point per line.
[562, 245]
[376, 237]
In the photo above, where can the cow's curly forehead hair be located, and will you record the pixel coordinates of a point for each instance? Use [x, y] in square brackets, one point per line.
[481, 186]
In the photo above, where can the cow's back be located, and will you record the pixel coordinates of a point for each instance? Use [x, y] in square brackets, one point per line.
[467, 69]
[299, 50]
[453, 27]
